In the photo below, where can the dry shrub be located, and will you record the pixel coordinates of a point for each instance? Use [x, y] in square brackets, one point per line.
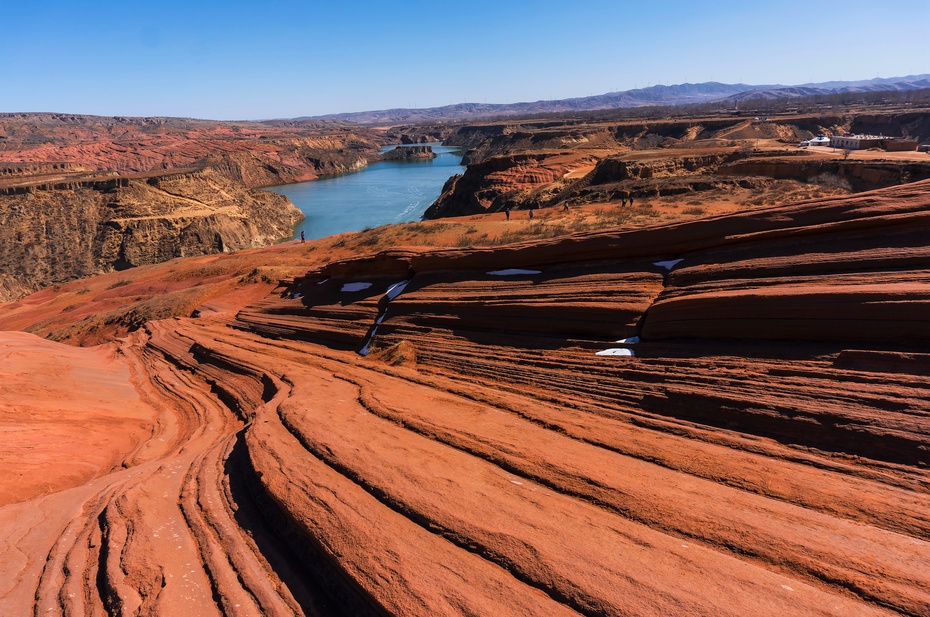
[202, 272]
[399, 354]
[832, 181]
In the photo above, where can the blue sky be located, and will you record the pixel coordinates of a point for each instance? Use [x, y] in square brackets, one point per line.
[250, 60]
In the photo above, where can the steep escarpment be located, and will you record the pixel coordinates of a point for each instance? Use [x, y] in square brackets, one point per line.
[56, 233]
[559, 163]
[486, 186]
[276, 162]
[860, 175]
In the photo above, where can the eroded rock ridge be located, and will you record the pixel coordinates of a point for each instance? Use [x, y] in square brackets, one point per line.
[759, 446]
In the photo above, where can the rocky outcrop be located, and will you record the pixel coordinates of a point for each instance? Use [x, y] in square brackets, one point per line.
[256, 154]
[295, 160]
[618, 170]
[914, 126]
[53, 234]
[861, 175]
[409, 153]
[486, 186]
[646, 422]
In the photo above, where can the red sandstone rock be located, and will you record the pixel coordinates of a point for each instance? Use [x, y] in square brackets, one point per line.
[764, 452]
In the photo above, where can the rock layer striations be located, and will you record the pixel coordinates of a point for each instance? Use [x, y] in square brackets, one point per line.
[761, 447]
[53, 234]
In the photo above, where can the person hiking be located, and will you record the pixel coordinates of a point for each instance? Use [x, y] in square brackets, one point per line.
[507, 212]
[531, 213]
[631, 201]
[302, 236]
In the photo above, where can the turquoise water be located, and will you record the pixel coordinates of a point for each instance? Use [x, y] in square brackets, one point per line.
[382, 193]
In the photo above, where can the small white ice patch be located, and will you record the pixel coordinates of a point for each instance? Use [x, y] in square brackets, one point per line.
[668, 265]
[355, 286]
[616, 351]
[321, 282]
[395, 289]
[629, 341]
[512, 271]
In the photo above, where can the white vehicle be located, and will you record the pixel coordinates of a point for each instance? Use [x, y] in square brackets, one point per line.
[820, 140]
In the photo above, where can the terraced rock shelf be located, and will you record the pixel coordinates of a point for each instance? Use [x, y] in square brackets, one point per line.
[762, 449]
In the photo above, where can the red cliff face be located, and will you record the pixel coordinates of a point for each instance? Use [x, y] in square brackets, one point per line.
[256, 154]
[56, 233]
[80, 195]
[486, 186]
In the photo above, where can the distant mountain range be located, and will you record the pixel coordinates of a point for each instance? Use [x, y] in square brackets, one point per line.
[897, 84]
[681, 94]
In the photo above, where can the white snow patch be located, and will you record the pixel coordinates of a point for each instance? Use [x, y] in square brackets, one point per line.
[323, 281]
[629, 341]
[512, 271]
[787, 587]
[616, 351]
[395, 289]
[355, 286]
[668, 265]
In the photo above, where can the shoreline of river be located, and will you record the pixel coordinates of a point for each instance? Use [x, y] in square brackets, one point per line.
[380, 193]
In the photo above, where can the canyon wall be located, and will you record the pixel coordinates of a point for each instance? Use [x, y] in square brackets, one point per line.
[568, 162]
[80, 195]
[56, 233]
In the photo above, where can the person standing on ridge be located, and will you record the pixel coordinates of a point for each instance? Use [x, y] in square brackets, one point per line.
[302, 237]
[507, 212]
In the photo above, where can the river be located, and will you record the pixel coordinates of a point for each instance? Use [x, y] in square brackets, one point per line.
[381, 193]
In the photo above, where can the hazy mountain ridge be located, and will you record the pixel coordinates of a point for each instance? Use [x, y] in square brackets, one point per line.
[678, 94]
[903, 84]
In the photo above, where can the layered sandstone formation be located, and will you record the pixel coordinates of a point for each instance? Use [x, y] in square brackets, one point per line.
[254, 153]
[53, 233]
[753, 439]
[80, 195]
[491, 185]
[559, 162]
[409, 153]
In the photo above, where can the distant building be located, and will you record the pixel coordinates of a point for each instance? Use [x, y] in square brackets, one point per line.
[864, 142]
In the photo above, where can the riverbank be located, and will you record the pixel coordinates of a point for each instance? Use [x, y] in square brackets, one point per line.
[381, 193]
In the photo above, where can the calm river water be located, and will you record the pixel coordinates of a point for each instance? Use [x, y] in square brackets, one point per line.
[382, 193]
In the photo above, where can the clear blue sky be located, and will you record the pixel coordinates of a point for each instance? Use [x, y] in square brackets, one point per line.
[275, 59]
